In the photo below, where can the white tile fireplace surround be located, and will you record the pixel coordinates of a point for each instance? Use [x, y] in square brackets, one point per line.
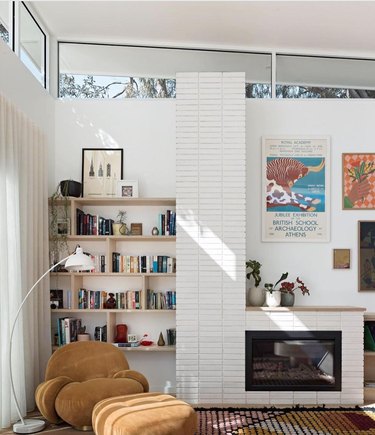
[348, 320]
[227, 386]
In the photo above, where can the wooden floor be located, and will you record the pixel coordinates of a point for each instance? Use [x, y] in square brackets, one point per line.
[63, 429]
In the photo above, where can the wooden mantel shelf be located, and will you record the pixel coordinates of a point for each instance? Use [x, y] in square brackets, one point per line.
[306, 308]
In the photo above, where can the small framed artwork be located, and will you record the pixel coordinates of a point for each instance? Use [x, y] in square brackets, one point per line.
[341, 258]
[56, 298]
[101, 170]
[127, 189]
[358, 181]
[63, 227]
[136, 229]
[366, 255]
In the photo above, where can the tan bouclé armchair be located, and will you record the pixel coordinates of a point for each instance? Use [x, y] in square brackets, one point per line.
[81, 374]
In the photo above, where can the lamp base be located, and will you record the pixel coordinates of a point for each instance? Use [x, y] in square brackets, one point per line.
[30, 425]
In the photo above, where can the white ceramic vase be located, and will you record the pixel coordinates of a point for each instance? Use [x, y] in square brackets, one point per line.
[273, 299]
[256, 297]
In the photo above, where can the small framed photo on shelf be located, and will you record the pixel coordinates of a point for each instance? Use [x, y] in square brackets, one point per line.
[56, 298]
[101, 169]
[136, 229]
[341, 258]
[63, 227]
[127, 188]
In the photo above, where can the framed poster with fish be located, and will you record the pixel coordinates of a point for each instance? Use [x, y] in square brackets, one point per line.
[358, 181]
[296, 190]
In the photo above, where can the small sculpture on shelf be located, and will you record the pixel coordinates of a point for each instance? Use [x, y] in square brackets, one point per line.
[161, 341]
[144, 341]
[111, 301]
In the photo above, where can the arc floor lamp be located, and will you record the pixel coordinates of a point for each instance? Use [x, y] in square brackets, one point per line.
[78, 261]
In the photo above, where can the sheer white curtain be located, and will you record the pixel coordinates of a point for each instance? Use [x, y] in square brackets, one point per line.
[23, 257]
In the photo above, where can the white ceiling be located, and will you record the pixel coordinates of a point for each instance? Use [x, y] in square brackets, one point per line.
[314, 27]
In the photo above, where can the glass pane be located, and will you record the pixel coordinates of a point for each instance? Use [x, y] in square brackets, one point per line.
[4, 21]
[144, 72]
[318, 77]
[32, 45]
[293, 362]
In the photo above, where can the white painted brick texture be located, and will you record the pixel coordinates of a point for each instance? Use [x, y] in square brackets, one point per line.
[210, 190]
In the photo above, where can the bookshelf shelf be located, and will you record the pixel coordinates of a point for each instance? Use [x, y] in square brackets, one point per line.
[112, 310]
[157, 239]
[153, 348]
[69, 274]
[119, 201]
[147, 211]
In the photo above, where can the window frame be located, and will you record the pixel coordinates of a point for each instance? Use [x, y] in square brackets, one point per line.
[16, 37]
[156, 47]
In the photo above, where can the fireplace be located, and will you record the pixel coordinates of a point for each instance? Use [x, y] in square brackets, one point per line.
[293, 360]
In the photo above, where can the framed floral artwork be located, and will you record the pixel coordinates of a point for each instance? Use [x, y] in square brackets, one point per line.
[358, 181]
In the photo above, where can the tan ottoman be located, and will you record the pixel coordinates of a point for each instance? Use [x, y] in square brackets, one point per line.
[144, 414]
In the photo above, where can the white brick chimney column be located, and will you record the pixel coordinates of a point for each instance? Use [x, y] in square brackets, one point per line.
[211, 240]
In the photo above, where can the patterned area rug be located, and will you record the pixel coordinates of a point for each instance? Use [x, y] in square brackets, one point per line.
[297, 420]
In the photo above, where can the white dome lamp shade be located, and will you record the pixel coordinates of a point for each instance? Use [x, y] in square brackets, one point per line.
[78, 261]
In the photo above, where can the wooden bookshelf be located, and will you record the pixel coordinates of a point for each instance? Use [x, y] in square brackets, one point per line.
[139, 210]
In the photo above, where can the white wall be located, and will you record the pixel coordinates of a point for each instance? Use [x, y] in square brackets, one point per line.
[145, 129]
[20, 86]
[350, 124]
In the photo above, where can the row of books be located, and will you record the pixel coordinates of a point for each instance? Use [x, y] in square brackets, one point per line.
[129, 300]
[143, 263]
[99, 261]
[93, 225]
[67, 330]
[160, 300]
[91, 299]
[167, 223]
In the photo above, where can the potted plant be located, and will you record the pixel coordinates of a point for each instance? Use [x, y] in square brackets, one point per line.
[287, 291]
[255, 295]
[273, 296]
[58, 210]
[119, 226]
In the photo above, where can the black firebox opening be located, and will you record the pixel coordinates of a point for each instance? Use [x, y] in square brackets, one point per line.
[293, 360]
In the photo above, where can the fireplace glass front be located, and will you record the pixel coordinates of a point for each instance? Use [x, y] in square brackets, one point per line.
[293, 360]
